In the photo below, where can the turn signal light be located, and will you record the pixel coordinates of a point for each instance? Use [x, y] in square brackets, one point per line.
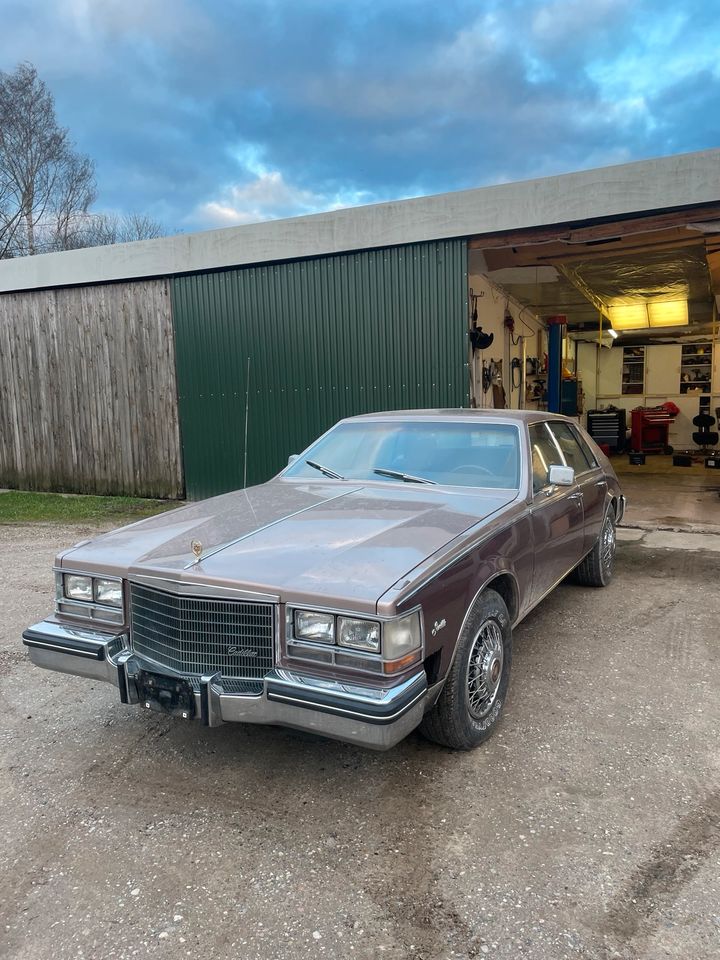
[395, 666]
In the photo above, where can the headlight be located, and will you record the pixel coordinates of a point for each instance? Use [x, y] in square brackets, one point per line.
[78, 588]
[359, 634]
[109, 592]
[366, 646]
[310, 625]
[95, 598]
[402, 636]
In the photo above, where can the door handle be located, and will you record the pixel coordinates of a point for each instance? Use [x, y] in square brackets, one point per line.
[575, 496]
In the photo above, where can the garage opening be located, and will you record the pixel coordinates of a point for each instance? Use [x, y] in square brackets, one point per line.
[636, 301]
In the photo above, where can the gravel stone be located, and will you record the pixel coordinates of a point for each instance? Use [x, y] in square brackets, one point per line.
[587, 828]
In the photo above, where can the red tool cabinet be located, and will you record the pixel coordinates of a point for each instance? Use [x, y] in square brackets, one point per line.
[650, 427]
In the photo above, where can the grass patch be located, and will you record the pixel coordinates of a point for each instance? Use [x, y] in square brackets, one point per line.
[22, 506]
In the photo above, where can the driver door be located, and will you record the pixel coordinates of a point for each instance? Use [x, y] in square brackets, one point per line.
[557, 515]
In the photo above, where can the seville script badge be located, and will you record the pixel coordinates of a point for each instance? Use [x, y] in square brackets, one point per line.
[197, 548]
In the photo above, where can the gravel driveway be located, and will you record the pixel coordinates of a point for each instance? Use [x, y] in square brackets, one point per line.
[587, 828]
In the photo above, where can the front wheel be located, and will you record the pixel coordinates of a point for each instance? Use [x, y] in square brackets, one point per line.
[596, 569]
[469, 706]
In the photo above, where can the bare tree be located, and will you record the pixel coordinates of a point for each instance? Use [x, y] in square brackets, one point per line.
[45, 185]
[139, 226]
[9, 218]
[102, 229]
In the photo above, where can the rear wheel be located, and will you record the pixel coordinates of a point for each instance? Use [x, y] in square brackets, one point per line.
[469, 706]
[596, 569]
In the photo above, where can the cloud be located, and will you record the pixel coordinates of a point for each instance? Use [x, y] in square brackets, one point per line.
[268, 197]
[202, 113]
[265, 198]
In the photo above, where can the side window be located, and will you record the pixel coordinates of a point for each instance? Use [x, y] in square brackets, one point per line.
[586, 448]
[568, 443]
[545, 453]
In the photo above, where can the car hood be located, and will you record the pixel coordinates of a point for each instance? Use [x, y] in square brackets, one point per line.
[331, 543]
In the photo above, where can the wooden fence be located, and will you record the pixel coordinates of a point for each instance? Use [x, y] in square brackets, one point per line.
[88, 397]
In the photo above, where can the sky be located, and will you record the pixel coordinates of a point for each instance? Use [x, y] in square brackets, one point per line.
[222, 112]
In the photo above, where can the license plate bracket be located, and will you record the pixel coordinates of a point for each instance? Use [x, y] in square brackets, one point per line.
[165, 694]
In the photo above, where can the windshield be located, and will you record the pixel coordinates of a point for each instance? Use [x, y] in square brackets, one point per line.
[462, 454]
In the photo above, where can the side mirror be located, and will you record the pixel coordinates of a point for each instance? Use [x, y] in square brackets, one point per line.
[561, 476]
[292, 458]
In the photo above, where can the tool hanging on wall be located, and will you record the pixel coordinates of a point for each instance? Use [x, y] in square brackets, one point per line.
[486, 376]
[509, 324]
[498, 390]
[516, 373]
[508, 320]
[478, 339]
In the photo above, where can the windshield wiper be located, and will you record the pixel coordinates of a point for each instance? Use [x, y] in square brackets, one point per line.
[326, 471]
[405, 477]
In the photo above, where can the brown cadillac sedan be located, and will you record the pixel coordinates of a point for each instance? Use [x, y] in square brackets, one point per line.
[368, 589]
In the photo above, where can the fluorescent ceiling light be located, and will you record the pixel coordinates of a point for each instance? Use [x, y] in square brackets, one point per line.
[668, 313]
[628, 316]
[612, 333]
[640, 316]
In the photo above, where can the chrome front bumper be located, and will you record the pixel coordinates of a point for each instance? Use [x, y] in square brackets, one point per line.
[370, 717]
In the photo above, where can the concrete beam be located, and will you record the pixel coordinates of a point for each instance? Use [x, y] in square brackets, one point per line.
[618, 191]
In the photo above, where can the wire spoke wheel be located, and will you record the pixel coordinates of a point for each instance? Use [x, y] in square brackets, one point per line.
[485, 669]
[470, 703]
[607, 547]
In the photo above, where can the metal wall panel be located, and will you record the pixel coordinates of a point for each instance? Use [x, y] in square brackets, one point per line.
[321, 339]
[88, 400]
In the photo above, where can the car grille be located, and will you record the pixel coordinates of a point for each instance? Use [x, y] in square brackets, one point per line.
[194, 635]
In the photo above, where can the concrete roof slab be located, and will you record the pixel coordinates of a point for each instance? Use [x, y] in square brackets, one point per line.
[609, 192]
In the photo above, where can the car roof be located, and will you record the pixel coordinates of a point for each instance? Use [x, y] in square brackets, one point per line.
[463, 413]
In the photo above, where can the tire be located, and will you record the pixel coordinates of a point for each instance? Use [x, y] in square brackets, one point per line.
[468, 709]
[596, 570]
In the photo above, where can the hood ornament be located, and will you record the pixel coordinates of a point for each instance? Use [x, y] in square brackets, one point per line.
[197, 549]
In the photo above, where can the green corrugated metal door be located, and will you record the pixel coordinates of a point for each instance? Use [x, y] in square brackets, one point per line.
[322, 339]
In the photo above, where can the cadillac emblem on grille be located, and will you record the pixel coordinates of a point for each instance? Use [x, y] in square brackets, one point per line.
[234, 651]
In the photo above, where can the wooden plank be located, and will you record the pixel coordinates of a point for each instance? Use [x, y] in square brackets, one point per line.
[88, 391]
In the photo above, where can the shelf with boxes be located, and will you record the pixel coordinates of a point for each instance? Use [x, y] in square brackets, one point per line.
[696, 368]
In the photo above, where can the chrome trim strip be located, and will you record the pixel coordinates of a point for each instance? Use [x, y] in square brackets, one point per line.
[339, 688]
[54, 629]
[351, 615]
[289, 516]
[194, 588]
[210, 707]
[61, 648]
[118, 620]
[341, 711]
[86, 573]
